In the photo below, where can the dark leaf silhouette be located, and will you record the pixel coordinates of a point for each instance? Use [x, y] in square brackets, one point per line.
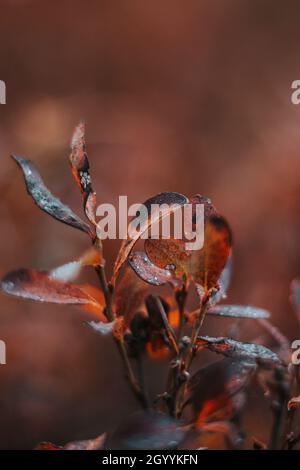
[238, 311]
[45, 200]
[147, 431]
[212, 389]
[38, 286]
[168, 198]
[247, 352]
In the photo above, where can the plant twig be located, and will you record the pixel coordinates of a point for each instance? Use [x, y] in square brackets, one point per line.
[120, 342]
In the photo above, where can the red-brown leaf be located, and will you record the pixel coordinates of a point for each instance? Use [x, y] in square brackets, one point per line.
[168, 198]
[38, 286]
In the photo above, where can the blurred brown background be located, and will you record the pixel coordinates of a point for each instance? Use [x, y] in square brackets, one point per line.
[190, 96]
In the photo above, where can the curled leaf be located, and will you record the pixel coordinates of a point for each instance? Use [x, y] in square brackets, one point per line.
[247, 352]
[81, 171]
[45, 200]
[239, 311]
[152, 217]
[38, 286]
[148, 271]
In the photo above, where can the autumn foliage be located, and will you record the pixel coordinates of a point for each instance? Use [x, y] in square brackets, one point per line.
[195, 409]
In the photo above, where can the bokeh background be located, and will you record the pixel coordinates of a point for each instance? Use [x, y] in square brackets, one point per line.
[189, 96]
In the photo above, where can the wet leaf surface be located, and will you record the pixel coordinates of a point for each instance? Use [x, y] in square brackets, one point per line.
[204, 266]
[239, 311]
[127, 245]
[247, 352]
[148, 271]
[45, 200]
[81, 171]
[38, 286]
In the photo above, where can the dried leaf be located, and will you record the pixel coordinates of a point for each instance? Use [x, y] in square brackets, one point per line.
[81, 171]
[168, 198]
[239, 311]
[148, 271]
[38, 286]
[203, 266]
[246, 352]
[294, 403]
[129, 294]
[147, 431]
[45, 200]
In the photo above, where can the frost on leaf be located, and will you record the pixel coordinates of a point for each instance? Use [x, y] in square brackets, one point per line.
[239, 311]
[81, 171]
[247, 352]
[45, 200]
[38, 286]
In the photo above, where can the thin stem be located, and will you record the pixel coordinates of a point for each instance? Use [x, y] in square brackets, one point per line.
[189, 356]
[120, 342]
[181, 296]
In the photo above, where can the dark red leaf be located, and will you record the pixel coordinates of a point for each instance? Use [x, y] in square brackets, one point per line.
[45, 200]
[204, 266]
[213, 389]
[168, 198]
[36, 285]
